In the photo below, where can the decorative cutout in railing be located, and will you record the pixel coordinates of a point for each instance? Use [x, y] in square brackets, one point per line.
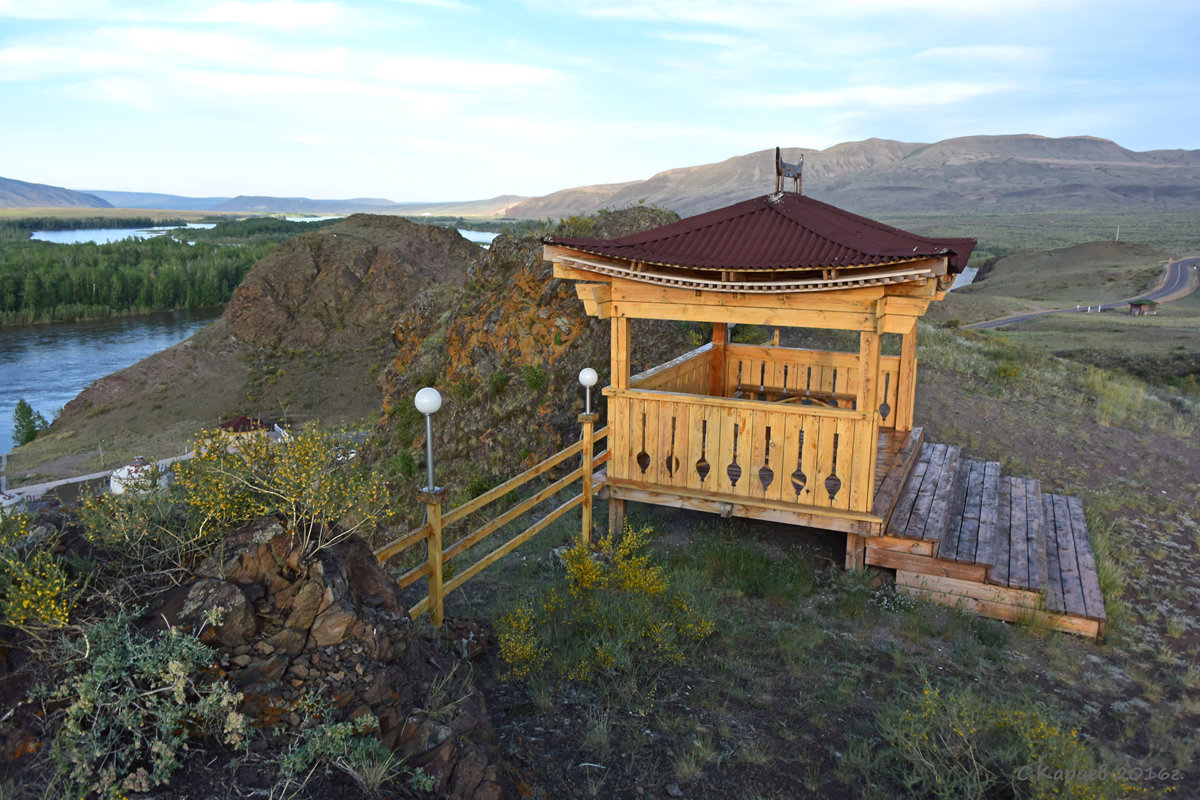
[734, 471]
[799, 479]
[833, 483]
[884, 408]
[672, 462]
[643, 458]
[766, 475]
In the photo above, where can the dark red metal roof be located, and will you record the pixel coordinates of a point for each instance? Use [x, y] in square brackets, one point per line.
[778, 232]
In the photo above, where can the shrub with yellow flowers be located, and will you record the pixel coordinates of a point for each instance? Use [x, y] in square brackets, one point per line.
[615, 612]
[35, 590]
[311, 479]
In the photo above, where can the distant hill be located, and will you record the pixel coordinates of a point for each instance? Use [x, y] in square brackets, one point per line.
[1014, 174]
[998, 174]
[263, 204]
[19, 194]
[154, 200]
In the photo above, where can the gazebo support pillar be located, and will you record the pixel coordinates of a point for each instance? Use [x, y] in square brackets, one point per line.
[619, 380]
[906, 390]
[716, 373]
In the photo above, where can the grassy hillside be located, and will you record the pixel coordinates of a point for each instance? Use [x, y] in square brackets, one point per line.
[1079, 275]
[818, 683]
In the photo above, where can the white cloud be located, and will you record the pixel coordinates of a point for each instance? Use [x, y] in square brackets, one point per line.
[985, 54]
[930, 94]
[463, 73]
[280, 14]
[283, 14]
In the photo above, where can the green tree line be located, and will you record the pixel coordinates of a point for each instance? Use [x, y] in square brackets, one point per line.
[44, 282]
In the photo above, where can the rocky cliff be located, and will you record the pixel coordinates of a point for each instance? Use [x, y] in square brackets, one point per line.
[506, 354]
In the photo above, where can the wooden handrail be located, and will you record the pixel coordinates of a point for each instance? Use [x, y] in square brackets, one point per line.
[431, 568]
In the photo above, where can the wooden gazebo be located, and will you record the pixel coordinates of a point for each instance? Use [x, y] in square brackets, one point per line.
[817, 438]
[799, 436]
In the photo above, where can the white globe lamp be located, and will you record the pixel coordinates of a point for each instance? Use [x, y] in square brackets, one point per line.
[588, 377]
[428, 401]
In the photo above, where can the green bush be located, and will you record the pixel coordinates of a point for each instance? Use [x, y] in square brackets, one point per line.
[497, 382]
[614, 613]
[132, 702]
[27, 423]
[966, 744]
[535, 377]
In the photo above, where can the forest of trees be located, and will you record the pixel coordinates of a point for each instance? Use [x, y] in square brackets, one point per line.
[43, 282]
[189, 268]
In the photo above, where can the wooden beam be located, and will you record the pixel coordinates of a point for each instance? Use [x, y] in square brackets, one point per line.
[831, 519]
[746, 315]
[619, 375]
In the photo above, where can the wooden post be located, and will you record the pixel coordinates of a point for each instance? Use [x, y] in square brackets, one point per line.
[856, 552]
[433, 500]
[620, 353]
[906, 386]
[716, 385]
[588, 421]
[616, 517]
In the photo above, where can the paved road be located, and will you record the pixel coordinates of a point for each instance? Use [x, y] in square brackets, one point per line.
[1180, 281]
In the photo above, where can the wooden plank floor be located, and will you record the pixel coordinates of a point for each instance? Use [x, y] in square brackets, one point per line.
[960, 533]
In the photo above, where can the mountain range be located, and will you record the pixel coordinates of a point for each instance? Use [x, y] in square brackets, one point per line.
[1004, 174]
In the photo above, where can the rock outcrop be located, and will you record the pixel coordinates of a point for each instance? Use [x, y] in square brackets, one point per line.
[505, 354]
[334, 627]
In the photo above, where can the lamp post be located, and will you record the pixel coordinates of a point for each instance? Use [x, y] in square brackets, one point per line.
[588, 377]
[428, 401]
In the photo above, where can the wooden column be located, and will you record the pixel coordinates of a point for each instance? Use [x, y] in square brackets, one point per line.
[620, 353]
[862, 487]
[588, 421]
[433, 508]
[869, 380]
[716, 387]
[906, 386]
[619, 380]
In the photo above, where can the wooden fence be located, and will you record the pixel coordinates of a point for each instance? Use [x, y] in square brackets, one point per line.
[437, 520]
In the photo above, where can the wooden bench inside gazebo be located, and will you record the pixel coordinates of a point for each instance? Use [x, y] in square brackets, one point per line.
[807, 437]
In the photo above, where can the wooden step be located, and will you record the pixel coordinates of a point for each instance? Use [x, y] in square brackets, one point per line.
[922, 510]
[895, 464]
[971, 534]
[1073, 585]
[1020, 536]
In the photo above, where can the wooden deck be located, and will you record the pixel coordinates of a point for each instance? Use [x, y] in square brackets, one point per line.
[956, 531]
[962, 534]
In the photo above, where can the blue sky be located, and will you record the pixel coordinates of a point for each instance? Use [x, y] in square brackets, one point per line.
[463, 99]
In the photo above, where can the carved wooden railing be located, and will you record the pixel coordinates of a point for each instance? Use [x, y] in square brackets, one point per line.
[731, 448]
[690, 373]
[782, 373]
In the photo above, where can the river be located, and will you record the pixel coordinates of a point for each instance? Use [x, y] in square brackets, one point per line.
[49, 365]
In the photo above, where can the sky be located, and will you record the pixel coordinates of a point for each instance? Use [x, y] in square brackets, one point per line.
[436, 100]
